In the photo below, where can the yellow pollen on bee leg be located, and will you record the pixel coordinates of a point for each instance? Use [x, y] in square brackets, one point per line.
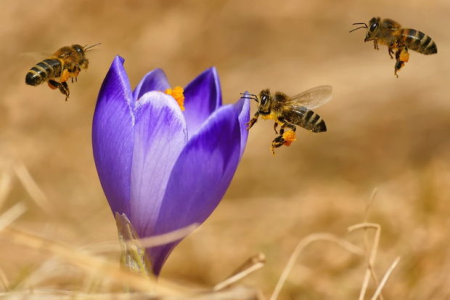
[178, 94]
[289, 137]
[404, 56]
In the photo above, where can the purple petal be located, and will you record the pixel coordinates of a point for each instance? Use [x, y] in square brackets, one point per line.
[159, 136]
[242, 108]
[199, 178]
[155, 80]
[202, 98]
[112, 136]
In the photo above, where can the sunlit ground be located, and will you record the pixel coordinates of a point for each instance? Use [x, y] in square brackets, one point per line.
[384, 134]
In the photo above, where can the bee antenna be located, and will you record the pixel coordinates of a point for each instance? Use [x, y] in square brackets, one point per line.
[90, 47]
[364, 26]
[245, 94]
[250, 96]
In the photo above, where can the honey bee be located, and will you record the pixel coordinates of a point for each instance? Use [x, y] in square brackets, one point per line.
[290, 112]
[65, 63]
[399, 40]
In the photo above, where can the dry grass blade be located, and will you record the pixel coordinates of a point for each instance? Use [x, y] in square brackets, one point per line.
[154, 241]
[11, 215]
[163, 239]
[4, 280]
[302, 245]
[385, 278]
[249, 266]
[6, 219]
[234, 293]
[369, 205]
[370, 270]
[5, 187]
[32, 188]
[92, 264]
[372, 255]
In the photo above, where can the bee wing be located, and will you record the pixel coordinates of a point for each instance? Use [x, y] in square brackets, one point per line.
[35, 56]
[312, 98]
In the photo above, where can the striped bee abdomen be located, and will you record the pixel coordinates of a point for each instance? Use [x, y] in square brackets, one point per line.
[419, 41]
[48, 68]
[307, 119]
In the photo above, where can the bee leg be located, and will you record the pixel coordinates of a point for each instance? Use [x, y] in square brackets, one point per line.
[76, 70]
[279, 140]
[288, 125]
[276, 143]
[398, 65]
[53, 84]
[402, 56]
[253, 120]
[390, 51]
[375, 45]
[275, 125]
[62, 86]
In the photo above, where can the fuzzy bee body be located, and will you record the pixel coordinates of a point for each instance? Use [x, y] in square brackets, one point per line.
[289, 112]
[41, 72]
[398, 40]
[65, 63]
[418, 41]
[301, 116]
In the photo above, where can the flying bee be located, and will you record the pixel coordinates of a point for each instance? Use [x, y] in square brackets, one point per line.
[397, 39]
[65, 63]
[290, 112]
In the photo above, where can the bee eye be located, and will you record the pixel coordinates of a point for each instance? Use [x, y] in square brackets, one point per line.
[263, 99]
[373, 26]
[78, 49]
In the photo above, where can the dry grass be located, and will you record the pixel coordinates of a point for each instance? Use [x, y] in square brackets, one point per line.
[383, 132]
[107, 275]
[103, 278]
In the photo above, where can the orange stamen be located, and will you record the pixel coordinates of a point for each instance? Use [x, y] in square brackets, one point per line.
[289, 137]
[178, 94]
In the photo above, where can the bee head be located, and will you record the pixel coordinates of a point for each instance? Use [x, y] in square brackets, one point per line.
[373, 28]
[79, 49]
[264, 101]
[82, 50]
[79, 53]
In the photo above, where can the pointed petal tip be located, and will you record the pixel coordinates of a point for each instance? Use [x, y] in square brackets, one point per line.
[242, 107]
[112, 135]
[203, 96]
[155, 80]
[116, 85]
[119, 59]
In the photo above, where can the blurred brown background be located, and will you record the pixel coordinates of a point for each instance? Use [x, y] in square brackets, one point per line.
[383, 132]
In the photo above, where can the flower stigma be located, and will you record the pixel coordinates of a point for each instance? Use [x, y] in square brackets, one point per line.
[289, 137]
[178, 94]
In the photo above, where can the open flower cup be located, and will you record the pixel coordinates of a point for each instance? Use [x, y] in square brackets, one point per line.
[162, 167]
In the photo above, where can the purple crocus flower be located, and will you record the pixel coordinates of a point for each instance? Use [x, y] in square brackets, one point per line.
[162, 167]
